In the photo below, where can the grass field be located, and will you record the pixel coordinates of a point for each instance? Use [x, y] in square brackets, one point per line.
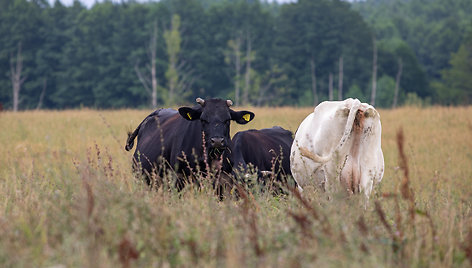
[68, 198]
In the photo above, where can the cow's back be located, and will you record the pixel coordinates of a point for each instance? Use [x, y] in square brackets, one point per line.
[263, 148]
[164, 137]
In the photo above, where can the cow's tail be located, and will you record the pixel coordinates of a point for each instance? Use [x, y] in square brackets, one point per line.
[314, 156]
[132, 135]
[349, 124]
[347, 131]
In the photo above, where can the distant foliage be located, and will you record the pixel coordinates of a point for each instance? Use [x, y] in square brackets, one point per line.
[456, 85]
[433, 31]
[75, 56]
[413, 100]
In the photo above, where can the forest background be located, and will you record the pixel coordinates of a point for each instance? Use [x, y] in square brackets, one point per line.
[136, 55]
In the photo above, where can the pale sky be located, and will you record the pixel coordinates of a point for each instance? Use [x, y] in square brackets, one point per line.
[89, 3]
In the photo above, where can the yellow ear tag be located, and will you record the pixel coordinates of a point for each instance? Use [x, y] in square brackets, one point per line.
[189, 116]
[247, 117]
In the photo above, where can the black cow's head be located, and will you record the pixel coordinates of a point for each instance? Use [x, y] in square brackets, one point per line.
[215, 117]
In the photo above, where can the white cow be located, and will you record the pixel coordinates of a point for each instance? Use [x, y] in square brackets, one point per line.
[339, 140]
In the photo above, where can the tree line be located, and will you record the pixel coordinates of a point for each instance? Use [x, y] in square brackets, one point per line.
[130, 54]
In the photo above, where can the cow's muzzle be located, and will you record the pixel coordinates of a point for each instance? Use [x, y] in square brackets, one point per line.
[217, 142]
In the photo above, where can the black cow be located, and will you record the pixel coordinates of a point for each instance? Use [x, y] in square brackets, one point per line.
[173, 139]
[267, 149]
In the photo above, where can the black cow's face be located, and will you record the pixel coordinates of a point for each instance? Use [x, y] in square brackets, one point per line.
[215, 117]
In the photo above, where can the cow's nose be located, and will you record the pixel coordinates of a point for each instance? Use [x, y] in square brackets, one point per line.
[217, 142]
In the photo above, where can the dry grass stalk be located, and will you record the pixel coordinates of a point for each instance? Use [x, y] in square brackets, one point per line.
[250, 218]
[364, 248]
[398, 220]
[99, 157]
[398, 214]
[90, 198]
[205, 158]
[273, 161]
[304, 202]
[192, 178]
[94, 231]
[326, 227]
[304, 222]
[110, 129]
[109, 166]
[431, 226]
[397, 230]
[127, 252]
[405, 190]
[383, 219]
[467, 245]
[193, 248]
[396, 240]
[362, 226]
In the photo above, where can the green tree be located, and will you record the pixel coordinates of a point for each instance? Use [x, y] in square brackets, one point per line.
[173, 40]
[195, 52]
[385, 91]
[74, 78]
[356, 92]
[413, 78]
[312, 38]
[456, 87]
[431, 29]
[57, 26]
[21, 23]
[270, 87]
[239, 31]
[233, 57]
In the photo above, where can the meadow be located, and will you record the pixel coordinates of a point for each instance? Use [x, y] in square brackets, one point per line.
[69, 198]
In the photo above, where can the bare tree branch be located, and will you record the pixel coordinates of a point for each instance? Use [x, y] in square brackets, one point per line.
[43, 92]
[141, 78]
[16, 79]
[340, 78]
[313, 81]
[330, 86]
[397, 83]
[374, 74]
[149, 82]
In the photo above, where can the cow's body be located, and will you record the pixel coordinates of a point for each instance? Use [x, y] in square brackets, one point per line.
[266, 149]
[161, 143]
[174, 139]
[339, 140]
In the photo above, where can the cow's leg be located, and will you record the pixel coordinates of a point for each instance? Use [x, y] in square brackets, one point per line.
[321, 178]
[346, 175]
[351, 173]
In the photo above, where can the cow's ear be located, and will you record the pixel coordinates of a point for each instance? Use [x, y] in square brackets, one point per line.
[189, 113]
[242, 117]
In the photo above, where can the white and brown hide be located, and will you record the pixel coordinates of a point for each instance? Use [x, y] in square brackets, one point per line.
[340, 140]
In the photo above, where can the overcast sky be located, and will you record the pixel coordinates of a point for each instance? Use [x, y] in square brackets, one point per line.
[89, 3]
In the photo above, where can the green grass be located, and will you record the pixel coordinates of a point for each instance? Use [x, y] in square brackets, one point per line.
[68, 197]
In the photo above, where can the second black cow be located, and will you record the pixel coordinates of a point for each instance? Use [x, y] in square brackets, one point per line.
[266, 150]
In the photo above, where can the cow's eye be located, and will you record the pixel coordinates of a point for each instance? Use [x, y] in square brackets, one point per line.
[204, 121]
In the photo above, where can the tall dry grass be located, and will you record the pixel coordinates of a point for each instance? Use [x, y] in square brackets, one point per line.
[68, 197]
